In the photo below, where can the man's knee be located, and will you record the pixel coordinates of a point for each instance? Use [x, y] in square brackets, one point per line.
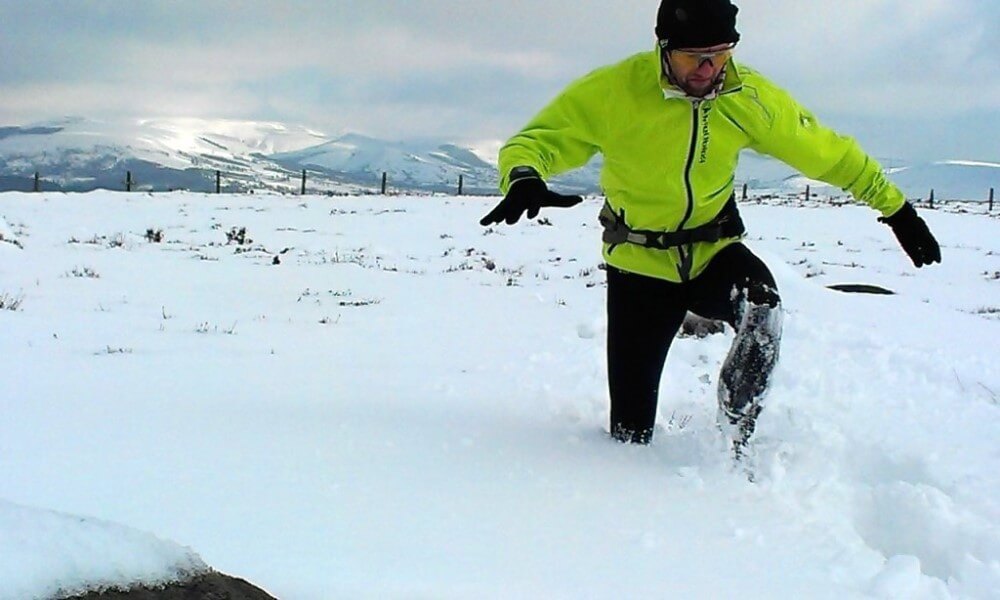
[763, 293]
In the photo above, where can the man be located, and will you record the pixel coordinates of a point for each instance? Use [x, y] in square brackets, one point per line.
[670, 124]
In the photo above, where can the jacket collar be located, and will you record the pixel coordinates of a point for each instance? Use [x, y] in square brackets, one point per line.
[731, 81]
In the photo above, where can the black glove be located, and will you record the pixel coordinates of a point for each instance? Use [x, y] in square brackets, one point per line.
[914, 236]
[527, 192]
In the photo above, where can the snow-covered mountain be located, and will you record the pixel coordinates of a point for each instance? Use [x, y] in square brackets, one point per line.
[432, 166]
[83, 154]
[77, 154]
[949, 179]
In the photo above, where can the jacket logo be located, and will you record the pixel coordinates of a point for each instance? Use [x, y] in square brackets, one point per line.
[706, 135]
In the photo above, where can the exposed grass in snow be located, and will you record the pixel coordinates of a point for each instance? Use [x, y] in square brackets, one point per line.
[10, 302]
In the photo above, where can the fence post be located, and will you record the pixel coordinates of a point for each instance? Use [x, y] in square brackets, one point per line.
[808, 193]
[385, 179]
[218, 182]
[991, 199]
[744, 191]
[38, 183]
[460, 182]
[128, 181]
[303, 182]
[932, 198]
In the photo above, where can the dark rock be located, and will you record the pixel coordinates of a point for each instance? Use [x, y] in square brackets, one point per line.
[860, 288]
[211, 586]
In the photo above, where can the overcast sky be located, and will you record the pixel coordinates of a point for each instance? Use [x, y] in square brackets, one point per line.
[913, 79]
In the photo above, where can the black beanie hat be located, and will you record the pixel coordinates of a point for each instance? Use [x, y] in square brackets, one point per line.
[696, 23]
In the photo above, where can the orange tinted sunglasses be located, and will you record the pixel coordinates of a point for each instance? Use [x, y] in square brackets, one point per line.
[690, 60]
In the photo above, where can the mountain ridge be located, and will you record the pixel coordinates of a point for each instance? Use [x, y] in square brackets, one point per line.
[81, 154]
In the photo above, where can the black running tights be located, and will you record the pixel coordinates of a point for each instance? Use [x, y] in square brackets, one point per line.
[644, 315]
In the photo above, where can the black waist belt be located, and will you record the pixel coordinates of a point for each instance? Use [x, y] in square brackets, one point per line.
[726, 224]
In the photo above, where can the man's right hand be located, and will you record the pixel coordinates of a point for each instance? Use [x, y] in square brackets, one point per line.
[526, 193]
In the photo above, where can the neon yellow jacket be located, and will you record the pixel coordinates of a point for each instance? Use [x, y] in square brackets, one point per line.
[669, 160]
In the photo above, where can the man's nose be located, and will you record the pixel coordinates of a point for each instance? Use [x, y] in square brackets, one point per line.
[705, 67]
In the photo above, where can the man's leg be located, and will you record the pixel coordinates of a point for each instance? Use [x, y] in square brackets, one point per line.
[737, 287]
[644, 314]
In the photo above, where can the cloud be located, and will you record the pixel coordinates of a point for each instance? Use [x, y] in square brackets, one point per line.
[43, 101]
[470, 69]
[891, 57]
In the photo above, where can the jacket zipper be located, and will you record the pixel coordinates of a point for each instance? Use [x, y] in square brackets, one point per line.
[687, 252]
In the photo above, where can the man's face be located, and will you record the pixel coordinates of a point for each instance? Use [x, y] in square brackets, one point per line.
[696, 70]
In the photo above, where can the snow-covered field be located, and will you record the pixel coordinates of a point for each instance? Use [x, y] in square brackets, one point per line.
[407, 405]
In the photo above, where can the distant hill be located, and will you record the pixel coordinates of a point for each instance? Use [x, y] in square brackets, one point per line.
[361, 160]
[950, 180]
[78, 154]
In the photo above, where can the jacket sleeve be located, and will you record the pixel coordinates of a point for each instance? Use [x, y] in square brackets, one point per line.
[565, 135]
[797, 138]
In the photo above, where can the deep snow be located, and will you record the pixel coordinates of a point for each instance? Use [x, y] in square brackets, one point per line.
[411, 406]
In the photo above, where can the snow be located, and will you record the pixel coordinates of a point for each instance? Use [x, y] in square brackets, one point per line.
[411, 406]
[487, 150]
[47, 554]
[971, 163]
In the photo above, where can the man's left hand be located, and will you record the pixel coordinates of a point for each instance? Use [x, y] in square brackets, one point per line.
[914, 236]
